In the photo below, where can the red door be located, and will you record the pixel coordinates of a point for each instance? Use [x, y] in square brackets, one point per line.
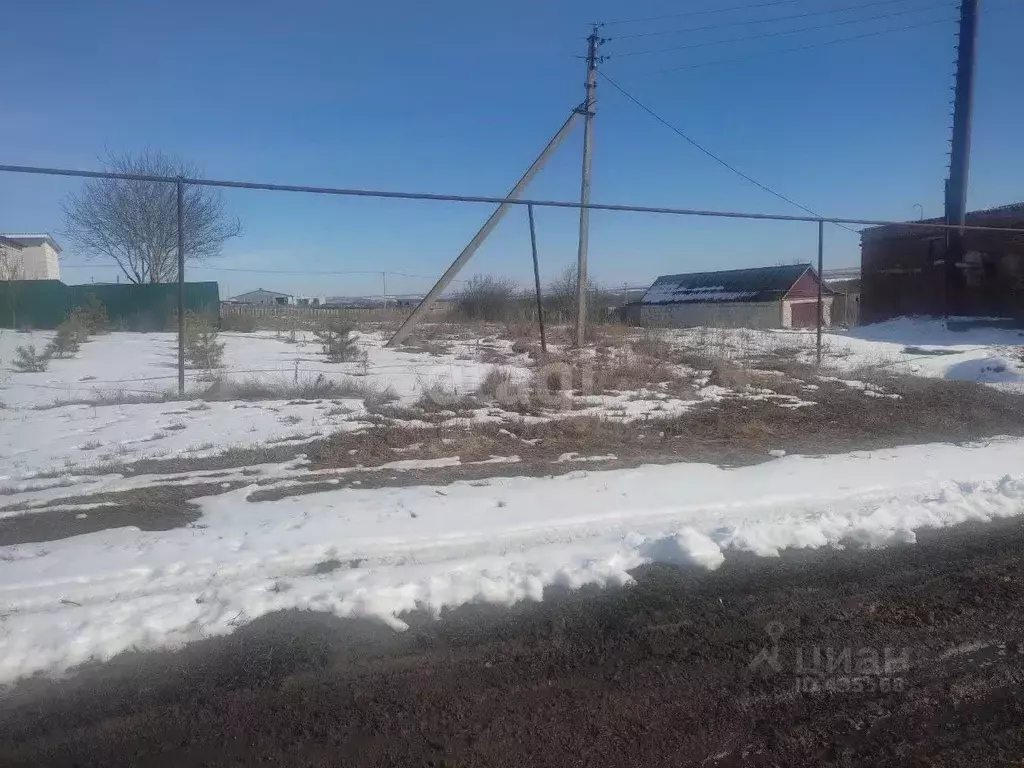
[804, 314]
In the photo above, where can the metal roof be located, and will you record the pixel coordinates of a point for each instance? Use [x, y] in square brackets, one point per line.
[34, 239]
[755, 284]
[264, 292]
[1014, 212]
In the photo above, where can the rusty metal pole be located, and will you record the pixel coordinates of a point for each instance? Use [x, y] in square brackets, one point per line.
[821, 280]
[536, 280]
[181, 287]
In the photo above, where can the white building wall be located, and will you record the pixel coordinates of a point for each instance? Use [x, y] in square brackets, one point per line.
[40, 262]
[263, 298]
[746, 314]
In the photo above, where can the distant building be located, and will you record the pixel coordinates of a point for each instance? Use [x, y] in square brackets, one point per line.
[264, 298]
[845, 282]
[904, 269]
[762, 297]
[30, 257]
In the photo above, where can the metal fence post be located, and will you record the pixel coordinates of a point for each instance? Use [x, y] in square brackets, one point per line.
[181, 286]
[536, 280]
[821, 280]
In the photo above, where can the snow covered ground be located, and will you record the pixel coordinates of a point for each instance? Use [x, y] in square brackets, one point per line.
[46, 428]
[380, 552]
[36, 438]
[916, 346]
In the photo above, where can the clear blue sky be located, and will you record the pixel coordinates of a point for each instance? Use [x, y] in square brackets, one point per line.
[459, 96]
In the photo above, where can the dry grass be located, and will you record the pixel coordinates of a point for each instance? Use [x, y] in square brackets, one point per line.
[497, 383]
[729, 375]
[112, 397]
[652, 344]
[426, 347]
[634, 371]
[318, 387]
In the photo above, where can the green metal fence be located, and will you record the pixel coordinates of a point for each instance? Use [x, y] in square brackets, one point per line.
[146, 307]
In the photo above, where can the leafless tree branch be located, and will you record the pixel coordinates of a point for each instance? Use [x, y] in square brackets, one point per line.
[135, 223]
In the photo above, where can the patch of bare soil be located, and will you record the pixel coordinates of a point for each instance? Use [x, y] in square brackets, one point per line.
[920, 662]
[734, 432]
[157, 508]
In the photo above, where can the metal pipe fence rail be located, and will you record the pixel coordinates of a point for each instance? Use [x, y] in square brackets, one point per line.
[232, 309]
[180, 182]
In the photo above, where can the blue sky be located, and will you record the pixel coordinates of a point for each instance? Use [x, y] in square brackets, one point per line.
[458, 96]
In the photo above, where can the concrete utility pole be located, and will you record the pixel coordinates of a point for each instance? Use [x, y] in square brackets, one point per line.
[467, 253]
[960, 151]
[589, 105]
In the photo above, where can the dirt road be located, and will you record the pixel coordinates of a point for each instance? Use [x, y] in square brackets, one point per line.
[907, 656]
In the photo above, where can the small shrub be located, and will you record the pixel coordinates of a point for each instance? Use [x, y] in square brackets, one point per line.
[726, 374]
[654, 345]
[497, 383]
[93, 315]
[238, 323]
[335, 336]
[27, 360]
[202, 348]
[485, 297]
[67, 340]
[633, 371]
[521, 325]
[316, 388]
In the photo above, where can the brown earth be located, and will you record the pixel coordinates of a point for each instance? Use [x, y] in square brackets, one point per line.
[683, 668]
[731, 433]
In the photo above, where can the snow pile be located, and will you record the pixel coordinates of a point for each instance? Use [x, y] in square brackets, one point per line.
[990, 369]
[925, 347]
[686, 547]
[395, 549]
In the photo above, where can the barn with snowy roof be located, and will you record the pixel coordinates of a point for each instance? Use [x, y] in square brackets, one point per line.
[760, 297]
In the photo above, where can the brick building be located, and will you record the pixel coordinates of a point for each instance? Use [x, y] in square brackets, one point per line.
[904, 270]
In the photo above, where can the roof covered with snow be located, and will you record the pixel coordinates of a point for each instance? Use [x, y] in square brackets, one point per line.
[755, 284]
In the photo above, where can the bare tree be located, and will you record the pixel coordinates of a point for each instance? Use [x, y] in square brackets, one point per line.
[560, 297]
[485, 297]
[135, 223]
[12, 269]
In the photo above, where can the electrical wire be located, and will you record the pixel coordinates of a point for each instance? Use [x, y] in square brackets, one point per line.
[779, 33]
[280, 271]
[796, 48]
[709, 153]
[747, 22]
[704, 12]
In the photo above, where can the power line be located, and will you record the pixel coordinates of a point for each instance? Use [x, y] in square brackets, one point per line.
[746, 22]
[276, 271]
[779, 33]
[537, 203]
[708, 152]
[794, 49]
[705, 12]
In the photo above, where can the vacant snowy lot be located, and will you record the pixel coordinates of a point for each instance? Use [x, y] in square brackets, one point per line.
[468, 467]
